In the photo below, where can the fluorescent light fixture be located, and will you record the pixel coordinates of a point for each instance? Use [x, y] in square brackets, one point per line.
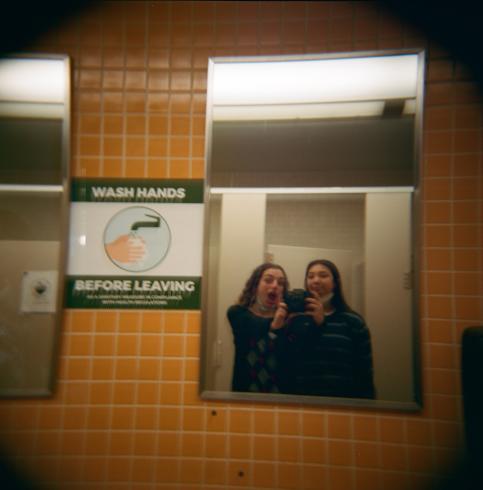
[32, 80]
[50, 189]
[409, 107]
[307, 190]
[315, 80]
[298, 111]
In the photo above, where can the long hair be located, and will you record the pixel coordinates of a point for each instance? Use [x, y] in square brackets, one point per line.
[248, 295]
[338, 301]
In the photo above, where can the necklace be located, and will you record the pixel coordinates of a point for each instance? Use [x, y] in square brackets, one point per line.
[259, 307]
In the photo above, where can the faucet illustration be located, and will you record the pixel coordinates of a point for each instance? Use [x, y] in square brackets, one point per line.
[147, 224]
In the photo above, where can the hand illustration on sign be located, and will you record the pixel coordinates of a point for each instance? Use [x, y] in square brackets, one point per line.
[127, 249]
[137, 239]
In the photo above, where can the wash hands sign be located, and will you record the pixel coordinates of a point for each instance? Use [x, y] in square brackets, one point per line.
[135, 244]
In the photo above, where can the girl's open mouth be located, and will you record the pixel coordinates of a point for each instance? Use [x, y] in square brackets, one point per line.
[272, 298]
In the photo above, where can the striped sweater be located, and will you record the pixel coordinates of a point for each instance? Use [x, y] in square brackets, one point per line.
[333, 359]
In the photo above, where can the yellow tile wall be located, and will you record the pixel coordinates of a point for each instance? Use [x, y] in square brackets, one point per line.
[126, 414]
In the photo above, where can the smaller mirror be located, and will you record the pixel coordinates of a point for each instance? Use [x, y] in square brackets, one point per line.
[34, 194]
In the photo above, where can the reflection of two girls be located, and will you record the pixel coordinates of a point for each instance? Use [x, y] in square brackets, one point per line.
[324, 350]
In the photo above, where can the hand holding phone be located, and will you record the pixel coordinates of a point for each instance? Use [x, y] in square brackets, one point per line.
[279, 317]
[317, 307]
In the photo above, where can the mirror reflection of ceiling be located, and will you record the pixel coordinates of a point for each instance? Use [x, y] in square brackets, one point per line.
[329, 153]
[32, 112]
[315, 122]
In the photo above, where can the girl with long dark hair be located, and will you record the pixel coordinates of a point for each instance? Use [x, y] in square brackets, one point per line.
[330, 342]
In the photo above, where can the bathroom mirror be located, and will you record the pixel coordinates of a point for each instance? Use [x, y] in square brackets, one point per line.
[316, 157]
[34, 197]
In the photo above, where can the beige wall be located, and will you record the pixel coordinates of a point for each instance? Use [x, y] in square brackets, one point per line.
[388, 296]
[242, 222]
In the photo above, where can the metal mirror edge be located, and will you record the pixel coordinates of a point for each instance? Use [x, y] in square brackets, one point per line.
[35, 127]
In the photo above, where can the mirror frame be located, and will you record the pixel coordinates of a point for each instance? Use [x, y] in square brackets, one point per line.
[321, 401]
[62, 190]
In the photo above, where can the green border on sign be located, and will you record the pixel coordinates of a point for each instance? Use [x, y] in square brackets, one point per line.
[174, 191]
[128, 292]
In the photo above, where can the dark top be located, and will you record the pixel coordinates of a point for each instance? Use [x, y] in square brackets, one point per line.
[256, 356]
[333, 359]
